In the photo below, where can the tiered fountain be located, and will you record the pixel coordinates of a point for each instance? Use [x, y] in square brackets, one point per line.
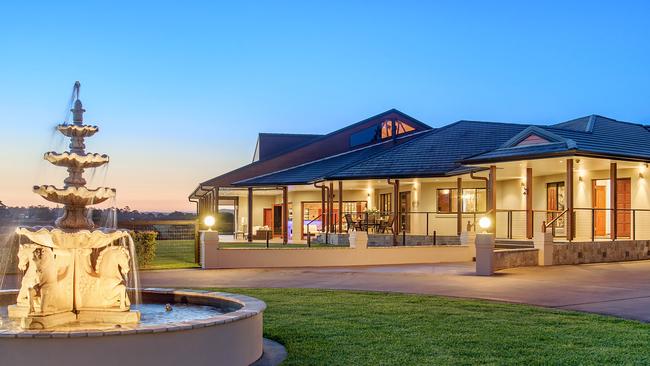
[75, 288]
[74, 271]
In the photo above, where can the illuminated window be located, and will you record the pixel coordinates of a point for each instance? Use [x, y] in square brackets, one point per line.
[401, 127]
[472, 200]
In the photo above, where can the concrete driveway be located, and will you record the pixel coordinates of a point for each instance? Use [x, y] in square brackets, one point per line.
[619, 289]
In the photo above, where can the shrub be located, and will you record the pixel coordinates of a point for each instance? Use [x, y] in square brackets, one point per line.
[145, 246]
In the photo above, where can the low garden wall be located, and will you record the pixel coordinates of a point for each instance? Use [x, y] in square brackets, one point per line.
[213, 257]
[512, 258]
[600, 251]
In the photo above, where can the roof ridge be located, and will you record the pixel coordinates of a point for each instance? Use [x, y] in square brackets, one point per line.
[288, 134]
[333, 156]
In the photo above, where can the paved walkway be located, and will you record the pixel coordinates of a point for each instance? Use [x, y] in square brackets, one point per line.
[619, 289]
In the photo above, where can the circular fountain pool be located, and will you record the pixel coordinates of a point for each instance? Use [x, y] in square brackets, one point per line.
[202, 328]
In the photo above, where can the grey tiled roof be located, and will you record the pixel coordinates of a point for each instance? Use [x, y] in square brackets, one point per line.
[452, 149]
[435, 153]
[591, 135]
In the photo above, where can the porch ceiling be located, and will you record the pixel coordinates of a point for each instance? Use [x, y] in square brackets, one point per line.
[551, 166]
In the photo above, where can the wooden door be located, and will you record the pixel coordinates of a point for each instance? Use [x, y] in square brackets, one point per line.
[268, 217]
[623, 205]
[600, 216]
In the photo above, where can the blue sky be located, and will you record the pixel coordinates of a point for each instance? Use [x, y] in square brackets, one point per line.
[181, 89]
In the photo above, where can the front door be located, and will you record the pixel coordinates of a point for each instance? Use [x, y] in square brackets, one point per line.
[623, 205]
[600, 214]
[268, 217]
[555, 205]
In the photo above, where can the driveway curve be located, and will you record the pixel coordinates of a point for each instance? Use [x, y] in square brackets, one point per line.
[618, 289]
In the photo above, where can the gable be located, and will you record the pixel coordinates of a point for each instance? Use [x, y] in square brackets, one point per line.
[533, 139]
[272, 144]
[334, 143]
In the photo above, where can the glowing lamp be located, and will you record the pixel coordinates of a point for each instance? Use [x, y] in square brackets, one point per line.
[485, 223]
[209, 221]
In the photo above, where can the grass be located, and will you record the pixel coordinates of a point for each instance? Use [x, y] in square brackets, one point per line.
[321, 327]
[175, 254]
[172, 254]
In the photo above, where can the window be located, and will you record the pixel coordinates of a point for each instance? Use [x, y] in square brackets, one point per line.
[472, 200]
[386, 202]
[379, 132]
[401, 127]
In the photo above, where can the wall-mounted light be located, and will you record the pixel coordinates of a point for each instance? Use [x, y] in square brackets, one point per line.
[524, 189]
[580, 179]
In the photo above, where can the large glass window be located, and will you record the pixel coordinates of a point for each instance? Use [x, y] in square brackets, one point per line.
[472, 200]
[379, 132]
[386, 203]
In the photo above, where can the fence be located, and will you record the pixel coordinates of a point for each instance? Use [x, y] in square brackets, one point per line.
[177, 240]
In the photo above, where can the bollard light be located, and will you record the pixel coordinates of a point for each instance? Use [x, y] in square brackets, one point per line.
[485, 223]
[209, 222]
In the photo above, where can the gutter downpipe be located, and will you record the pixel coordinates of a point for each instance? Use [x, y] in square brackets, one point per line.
[324, 195]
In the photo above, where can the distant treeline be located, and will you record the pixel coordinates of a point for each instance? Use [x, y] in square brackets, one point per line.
[48, 214]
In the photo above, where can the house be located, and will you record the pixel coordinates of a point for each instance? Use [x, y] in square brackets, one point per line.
[583, 179]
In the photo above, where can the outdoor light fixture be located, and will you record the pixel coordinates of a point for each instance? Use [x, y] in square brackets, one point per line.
[484, 223]
[209, 222]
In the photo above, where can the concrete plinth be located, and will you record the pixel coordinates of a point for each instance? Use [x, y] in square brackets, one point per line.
[544, 243]
[484, 254]
[469, 238]
[359, 239]
[209, 241]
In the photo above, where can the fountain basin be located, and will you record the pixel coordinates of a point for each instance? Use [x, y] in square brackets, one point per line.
[223, 329]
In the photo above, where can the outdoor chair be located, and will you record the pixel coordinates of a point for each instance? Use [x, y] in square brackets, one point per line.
[386, 225]
[356, 226]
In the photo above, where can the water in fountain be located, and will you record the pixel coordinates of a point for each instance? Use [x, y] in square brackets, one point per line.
[135, 283]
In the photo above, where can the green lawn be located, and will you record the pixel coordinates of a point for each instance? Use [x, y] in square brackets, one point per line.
[320, 327]
[172, 254]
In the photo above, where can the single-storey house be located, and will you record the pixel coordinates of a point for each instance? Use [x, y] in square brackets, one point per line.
[583, 179]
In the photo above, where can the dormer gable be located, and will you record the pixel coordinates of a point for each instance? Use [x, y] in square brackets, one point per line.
[534, 135]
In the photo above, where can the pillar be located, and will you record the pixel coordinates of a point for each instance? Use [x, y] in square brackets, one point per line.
[530, 219]
[396, 222]
[330, 204]
[613, 200]
[216, 206]
[340, 206]
[492, 198]
[484, 254]
[569, 200]
[285, 215]
[459, 205]
[250, 214]
[323, 216]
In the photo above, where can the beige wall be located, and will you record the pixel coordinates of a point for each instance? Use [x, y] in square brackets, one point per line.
[327, 257]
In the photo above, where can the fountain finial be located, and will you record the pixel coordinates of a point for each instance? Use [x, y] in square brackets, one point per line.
[78, 110]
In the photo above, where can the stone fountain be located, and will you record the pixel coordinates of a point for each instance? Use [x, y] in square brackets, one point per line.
[74, 271]
[73, 305]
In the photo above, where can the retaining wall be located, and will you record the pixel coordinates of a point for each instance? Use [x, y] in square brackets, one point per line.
[600, 251]
[512, 258]
[331, 257]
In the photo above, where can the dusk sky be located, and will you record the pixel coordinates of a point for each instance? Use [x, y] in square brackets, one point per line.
[180, 90]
